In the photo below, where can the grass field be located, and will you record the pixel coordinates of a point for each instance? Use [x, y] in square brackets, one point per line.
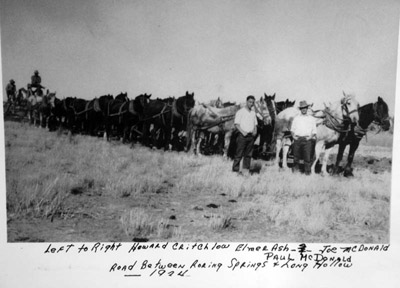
[79, 188]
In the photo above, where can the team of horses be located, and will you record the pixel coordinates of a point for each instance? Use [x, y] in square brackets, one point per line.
[179, 123]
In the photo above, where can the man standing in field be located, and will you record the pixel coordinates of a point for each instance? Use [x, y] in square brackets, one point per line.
[246, 124]
[11, 91]
[304, 132]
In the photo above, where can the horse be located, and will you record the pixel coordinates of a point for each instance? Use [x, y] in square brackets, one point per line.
[115, 109]
[214, 120]
[96, 110]
[266, 123]
[31, 108]
[166, 116]
[212, 142]
[267, 129]
[331, 121]
[22, 97]
[339, 117]
[282, 105]
[39, 108]
[45, 110]
[378, 113]
[75, 109]
[157, 129]
[63, 112]
[133, 116]
[180, 113]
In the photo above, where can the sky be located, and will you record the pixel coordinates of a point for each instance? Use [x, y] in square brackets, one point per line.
[300, 50]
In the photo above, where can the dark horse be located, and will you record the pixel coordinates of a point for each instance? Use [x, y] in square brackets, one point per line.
[115, 110]
[282, 105]
[96, 111]
[77, 113]
[63, 112]
[132, 116]
[166, 116]
[266, 130]
[377, 112]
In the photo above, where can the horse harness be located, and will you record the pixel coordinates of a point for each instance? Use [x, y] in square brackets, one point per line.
[266, 119]
[119, 113]
[169, 108]
[220, 123]
[333, 122]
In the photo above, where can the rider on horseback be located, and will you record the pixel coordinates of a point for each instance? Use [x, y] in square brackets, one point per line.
[35, 83]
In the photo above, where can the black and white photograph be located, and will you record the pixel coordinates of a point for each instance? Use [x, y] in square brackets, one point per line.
[199, 121]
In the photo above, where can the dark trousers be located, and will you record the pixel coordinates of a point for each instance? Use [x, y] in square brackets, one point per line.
[302, 149]
[244, 149]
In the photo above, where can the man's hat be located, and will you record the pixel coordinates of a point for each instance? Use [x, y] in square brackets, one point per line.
[12, 81]
[36, 72]
[303, 104]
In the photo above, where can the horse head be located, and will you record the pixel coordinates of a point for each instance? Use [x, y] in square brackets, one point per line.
[144, 99]
[140, 102]
[122, 97]
[350, 107]
[262, 111]
[290, 103]
[51, 98]
[381, 114]
[186, 102]
[270, 101]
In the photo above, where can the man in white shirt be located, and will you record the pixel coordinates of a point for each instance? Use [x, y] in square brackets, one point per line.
[304, 132]
[246, 124]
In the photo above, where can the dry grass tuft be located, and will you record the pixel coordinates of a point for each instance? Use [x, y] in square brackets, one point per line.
[220, 222]
[138, 223]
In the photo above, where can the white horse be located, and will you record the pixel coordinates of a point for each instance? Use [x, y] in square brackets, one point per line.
[338, 118]
[203, 118]
[331, 121]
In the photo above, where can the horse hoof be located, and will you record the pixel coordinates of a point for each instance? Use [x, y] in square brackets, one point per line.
[348, 174]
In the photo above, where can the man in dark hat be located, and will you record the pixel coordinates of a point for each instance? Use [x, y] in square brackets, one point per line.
[246, 124]
[304, 132]
[11, 91]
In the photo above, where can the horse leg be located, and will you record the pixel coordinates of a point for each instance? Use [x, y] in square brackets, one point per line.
[348, 171]
[37, 118]
[192, 135]
[285, 150]
[325, 160]
[278, 149]
[339, 157]
[154, 138]
[175, 140]
[227, 139]
[125, 132]
[318, 149]
[167, 138]
[107, 129]
[197, 142]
